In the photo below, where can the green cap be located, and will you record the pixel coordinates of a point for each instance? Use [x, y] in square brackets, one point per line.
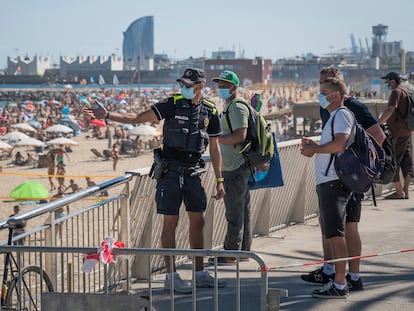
[228, 76]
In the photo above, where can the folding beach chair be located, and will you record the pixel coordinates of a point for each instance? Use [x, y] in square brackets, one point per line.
[97, 153]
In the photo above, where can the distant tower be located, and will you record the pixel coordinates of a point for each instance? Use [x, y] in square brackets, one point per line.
[380, 34]
[138, 45]
[354, 48]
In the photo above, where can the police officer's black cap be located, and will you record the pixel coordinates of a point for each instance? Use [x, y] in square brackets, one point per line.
[192, 76]
[391, 76]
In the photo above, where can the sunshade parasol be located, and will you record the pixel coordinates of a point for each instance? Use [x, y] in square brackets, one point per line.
[15, 136]
[128, 126]
[35, 124]
[144, 130]
[5, 146]
[62, 141]
[59, 128]
[97, 122]
[23, 126]
[29, 142]
[29, 190]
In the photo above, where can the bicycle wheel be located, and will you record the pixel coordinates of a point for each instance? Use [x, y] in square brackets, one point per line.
[28, 297]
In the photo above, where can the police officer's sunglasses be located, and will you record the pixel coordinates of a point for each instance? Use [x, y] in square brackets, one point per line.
[182, 84]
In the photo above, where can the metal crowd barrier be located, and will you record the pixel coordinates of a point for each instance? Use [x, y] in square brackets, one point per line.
[129, 215]
[73, 280]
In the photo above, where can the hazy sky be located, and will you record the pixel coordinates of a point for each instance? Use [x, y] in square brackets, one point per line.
[268, 28]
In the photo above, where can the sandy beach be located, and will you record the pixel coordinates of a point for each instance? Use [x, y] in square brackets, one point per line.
[49, 107]
[82, 162]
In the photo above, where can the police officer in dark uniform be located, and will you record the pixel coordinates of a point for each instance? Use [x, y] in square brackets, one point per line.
[191, 122]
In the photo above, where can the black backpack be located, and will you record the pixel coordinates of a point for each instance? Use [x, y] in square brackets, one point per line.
[390, 162]
[361, 163]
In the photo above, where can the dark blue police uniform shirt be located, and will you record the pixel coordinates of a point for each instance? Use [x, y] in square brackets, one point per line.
[166, 109]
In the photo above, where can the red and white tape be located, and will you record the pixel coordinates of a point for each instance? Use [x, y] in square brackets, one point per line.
[312, 263]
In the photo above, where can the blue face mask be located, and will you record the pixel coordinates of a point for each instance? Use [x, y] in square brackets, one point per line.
[323, 102]
[388, 87]
[224, 93]
[187, 92]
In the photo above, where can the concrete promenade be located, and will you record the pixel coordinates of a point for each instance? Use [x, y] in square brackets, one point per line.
[388, 279]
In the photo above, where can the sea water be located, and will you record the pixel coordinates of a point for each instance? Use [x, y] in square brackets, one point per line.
[86, 86]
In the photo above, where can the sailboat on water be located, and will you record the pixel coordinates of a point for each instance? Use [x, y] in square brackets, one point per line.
[101, 80]
[115, 80]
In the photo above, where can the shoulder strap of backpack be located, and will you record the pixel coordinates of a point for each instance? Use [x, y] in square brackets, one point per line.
[226, 112]
[332, 155]
[333, 137]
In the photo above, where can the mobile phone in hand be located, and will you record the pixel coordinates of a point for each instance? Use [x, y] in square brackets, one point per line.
[99, 110]
[99, 105]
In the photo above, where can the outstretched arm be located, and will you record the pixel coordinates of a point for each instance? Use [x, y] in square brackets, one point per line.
[100, 112]
[132, 117]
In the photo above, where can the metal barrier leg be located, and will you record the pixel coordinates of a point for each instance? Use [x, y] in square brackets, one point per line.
[273, 298]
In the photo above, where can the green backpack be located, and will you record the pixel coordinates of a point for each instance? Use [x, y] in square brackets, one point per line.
[259, 148]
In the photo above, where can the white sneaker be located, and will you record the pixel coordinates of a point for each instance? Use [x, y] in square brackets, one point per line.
[180, 286]
[204, 279]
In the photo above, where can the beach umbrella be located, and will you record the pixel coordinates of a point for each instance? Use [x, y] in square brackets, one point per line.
[66, 110]
[5, 146]
[41, 102]
[97, 122]
[62, 141]
[59, 128]
[35, 124]
[23, 126]
[83, 100]
[256, 102]
[29, 142]
[15, 136]
[29, 190]
[71, 124]
[144, 130]
[26, 117]
[128, 126]
[29, 106]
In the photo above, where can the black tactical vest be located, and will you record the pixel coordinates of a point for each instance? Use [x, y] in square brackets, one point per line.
[187, 129]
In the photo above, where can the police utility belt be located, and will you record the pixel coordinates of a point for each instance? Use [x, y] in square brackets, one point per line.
[161, 166]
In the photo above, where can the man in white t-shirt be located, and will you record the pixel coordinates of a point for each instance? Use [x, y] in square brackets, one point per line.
[332, 194]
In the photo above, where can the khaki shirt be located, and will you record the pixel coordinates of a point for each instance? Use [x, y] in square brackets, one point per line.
[232, 159]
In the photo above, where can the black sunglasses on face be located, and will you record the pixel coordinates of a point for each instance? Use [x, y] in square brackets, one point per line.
[182, 84]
